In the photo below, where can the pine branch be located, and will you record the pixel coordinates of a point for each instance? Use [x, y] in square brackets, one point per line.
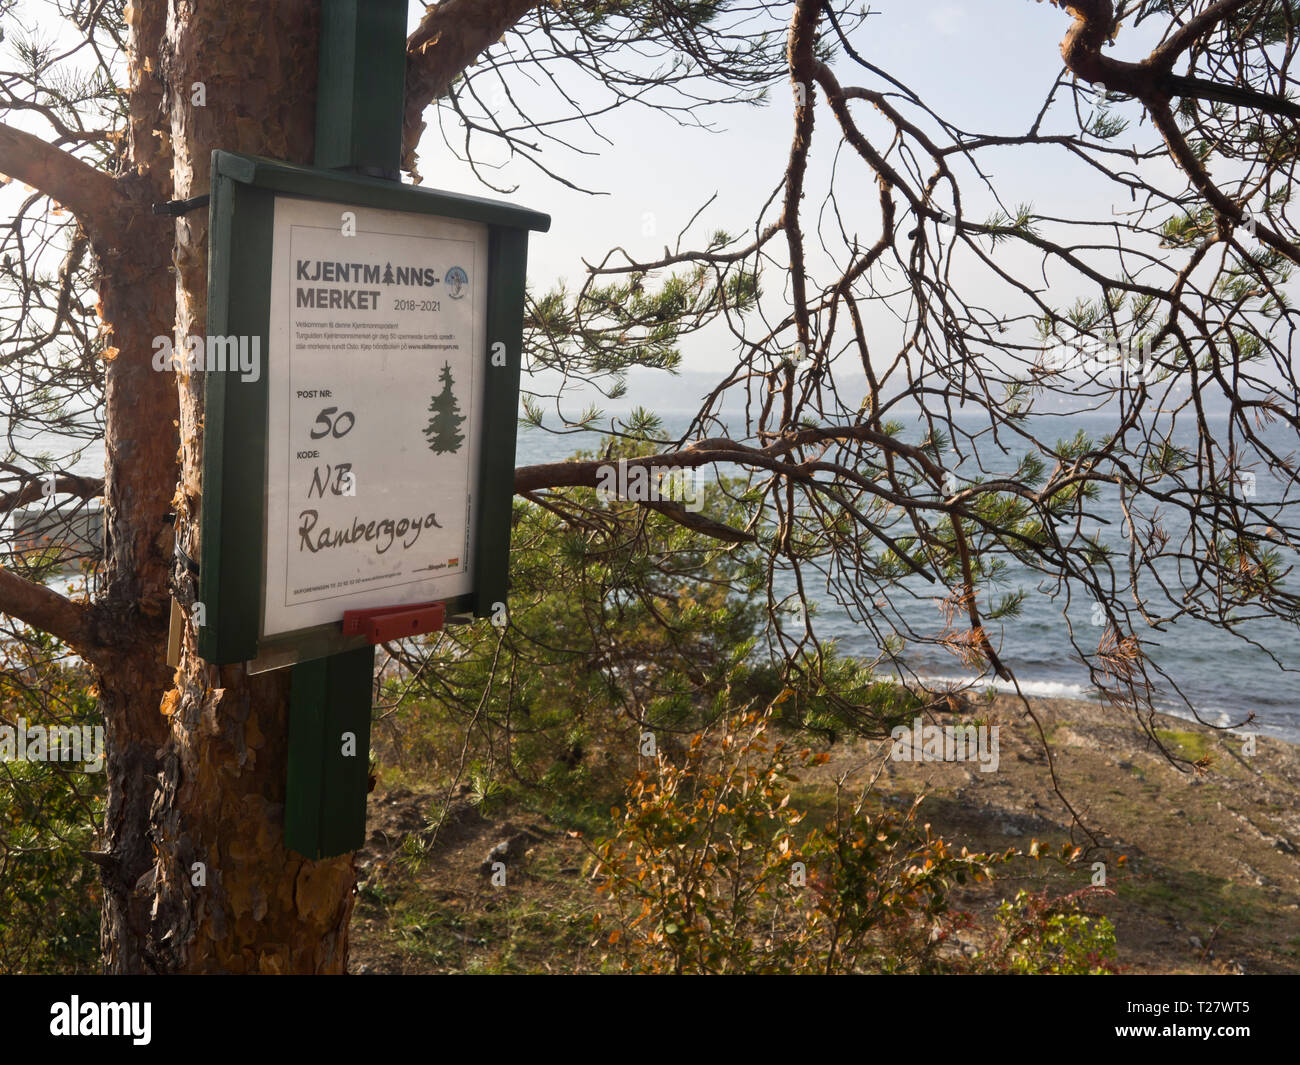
[48, 611]
[449, 38]
[88, 193]
[1237, 96]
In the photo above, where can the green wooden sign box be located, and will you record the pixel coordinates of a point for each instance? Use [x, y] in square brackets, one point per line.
[232, 530]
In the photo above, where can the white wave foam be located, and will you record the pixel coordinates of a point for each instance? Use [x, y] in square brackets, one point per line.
[1055, 689]
[1043, 689]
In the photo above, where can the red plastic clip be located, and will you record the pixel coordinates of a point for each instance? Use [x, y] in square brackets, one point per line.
[381, 624]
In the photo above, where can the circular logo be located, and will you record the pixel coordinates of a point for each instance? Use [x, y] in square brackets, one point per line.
[456, 281]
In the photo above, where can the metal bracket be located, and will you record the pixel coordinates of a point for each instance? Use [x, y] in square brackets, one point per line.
[191, 567]
[176, 208]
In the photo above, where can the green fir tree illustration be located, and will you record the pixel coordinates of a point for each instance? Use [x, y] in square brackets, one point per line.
[443, 430]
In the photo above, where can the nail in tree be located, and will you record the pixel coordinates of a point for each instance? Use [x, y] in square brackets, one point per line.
[443, 430]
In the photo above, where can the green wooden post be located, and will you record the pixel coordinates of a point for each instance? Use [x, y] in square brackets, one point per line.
[329, 754]
[358, 128]
[362, 86]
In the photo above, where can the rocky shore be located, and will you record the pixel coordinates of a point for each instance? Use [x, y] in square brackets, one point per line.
[1202, 855]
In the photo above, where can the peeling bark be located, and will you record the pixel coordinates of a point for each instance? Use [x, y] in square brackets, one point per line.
[197, 877]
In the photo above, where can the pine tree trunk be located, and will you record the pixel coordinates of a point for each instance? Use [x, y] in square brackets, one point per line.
[197, 877]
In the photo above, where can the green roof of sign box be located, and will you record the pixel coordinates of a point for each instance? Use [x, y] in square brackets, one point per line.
[290, 179]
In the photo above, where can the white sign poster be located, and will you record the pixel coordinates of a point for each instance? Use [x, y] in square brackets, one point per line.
[375, 378]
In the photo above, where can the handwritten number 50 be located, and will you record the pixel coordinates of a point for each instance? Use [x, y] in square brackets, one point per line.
[333, 425]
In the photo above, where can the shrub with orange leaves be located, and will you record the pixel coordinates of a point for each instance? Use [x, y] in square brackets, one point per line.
[1043, 936]
[711, 870]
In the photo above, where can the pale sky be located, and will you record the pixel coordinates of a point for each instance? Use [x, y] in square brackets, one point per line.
[979, 72]
[985, 67]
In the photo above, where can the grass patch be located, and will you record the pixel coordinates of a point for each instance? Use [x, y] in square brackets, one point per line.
[1190, 745]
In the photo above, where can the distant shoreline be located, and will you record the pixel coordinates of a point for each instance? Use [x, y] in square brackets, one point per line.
[1095, 703]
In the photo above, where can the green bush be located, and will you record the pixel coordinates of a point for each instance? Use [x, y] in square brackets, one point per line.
[49, 891]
